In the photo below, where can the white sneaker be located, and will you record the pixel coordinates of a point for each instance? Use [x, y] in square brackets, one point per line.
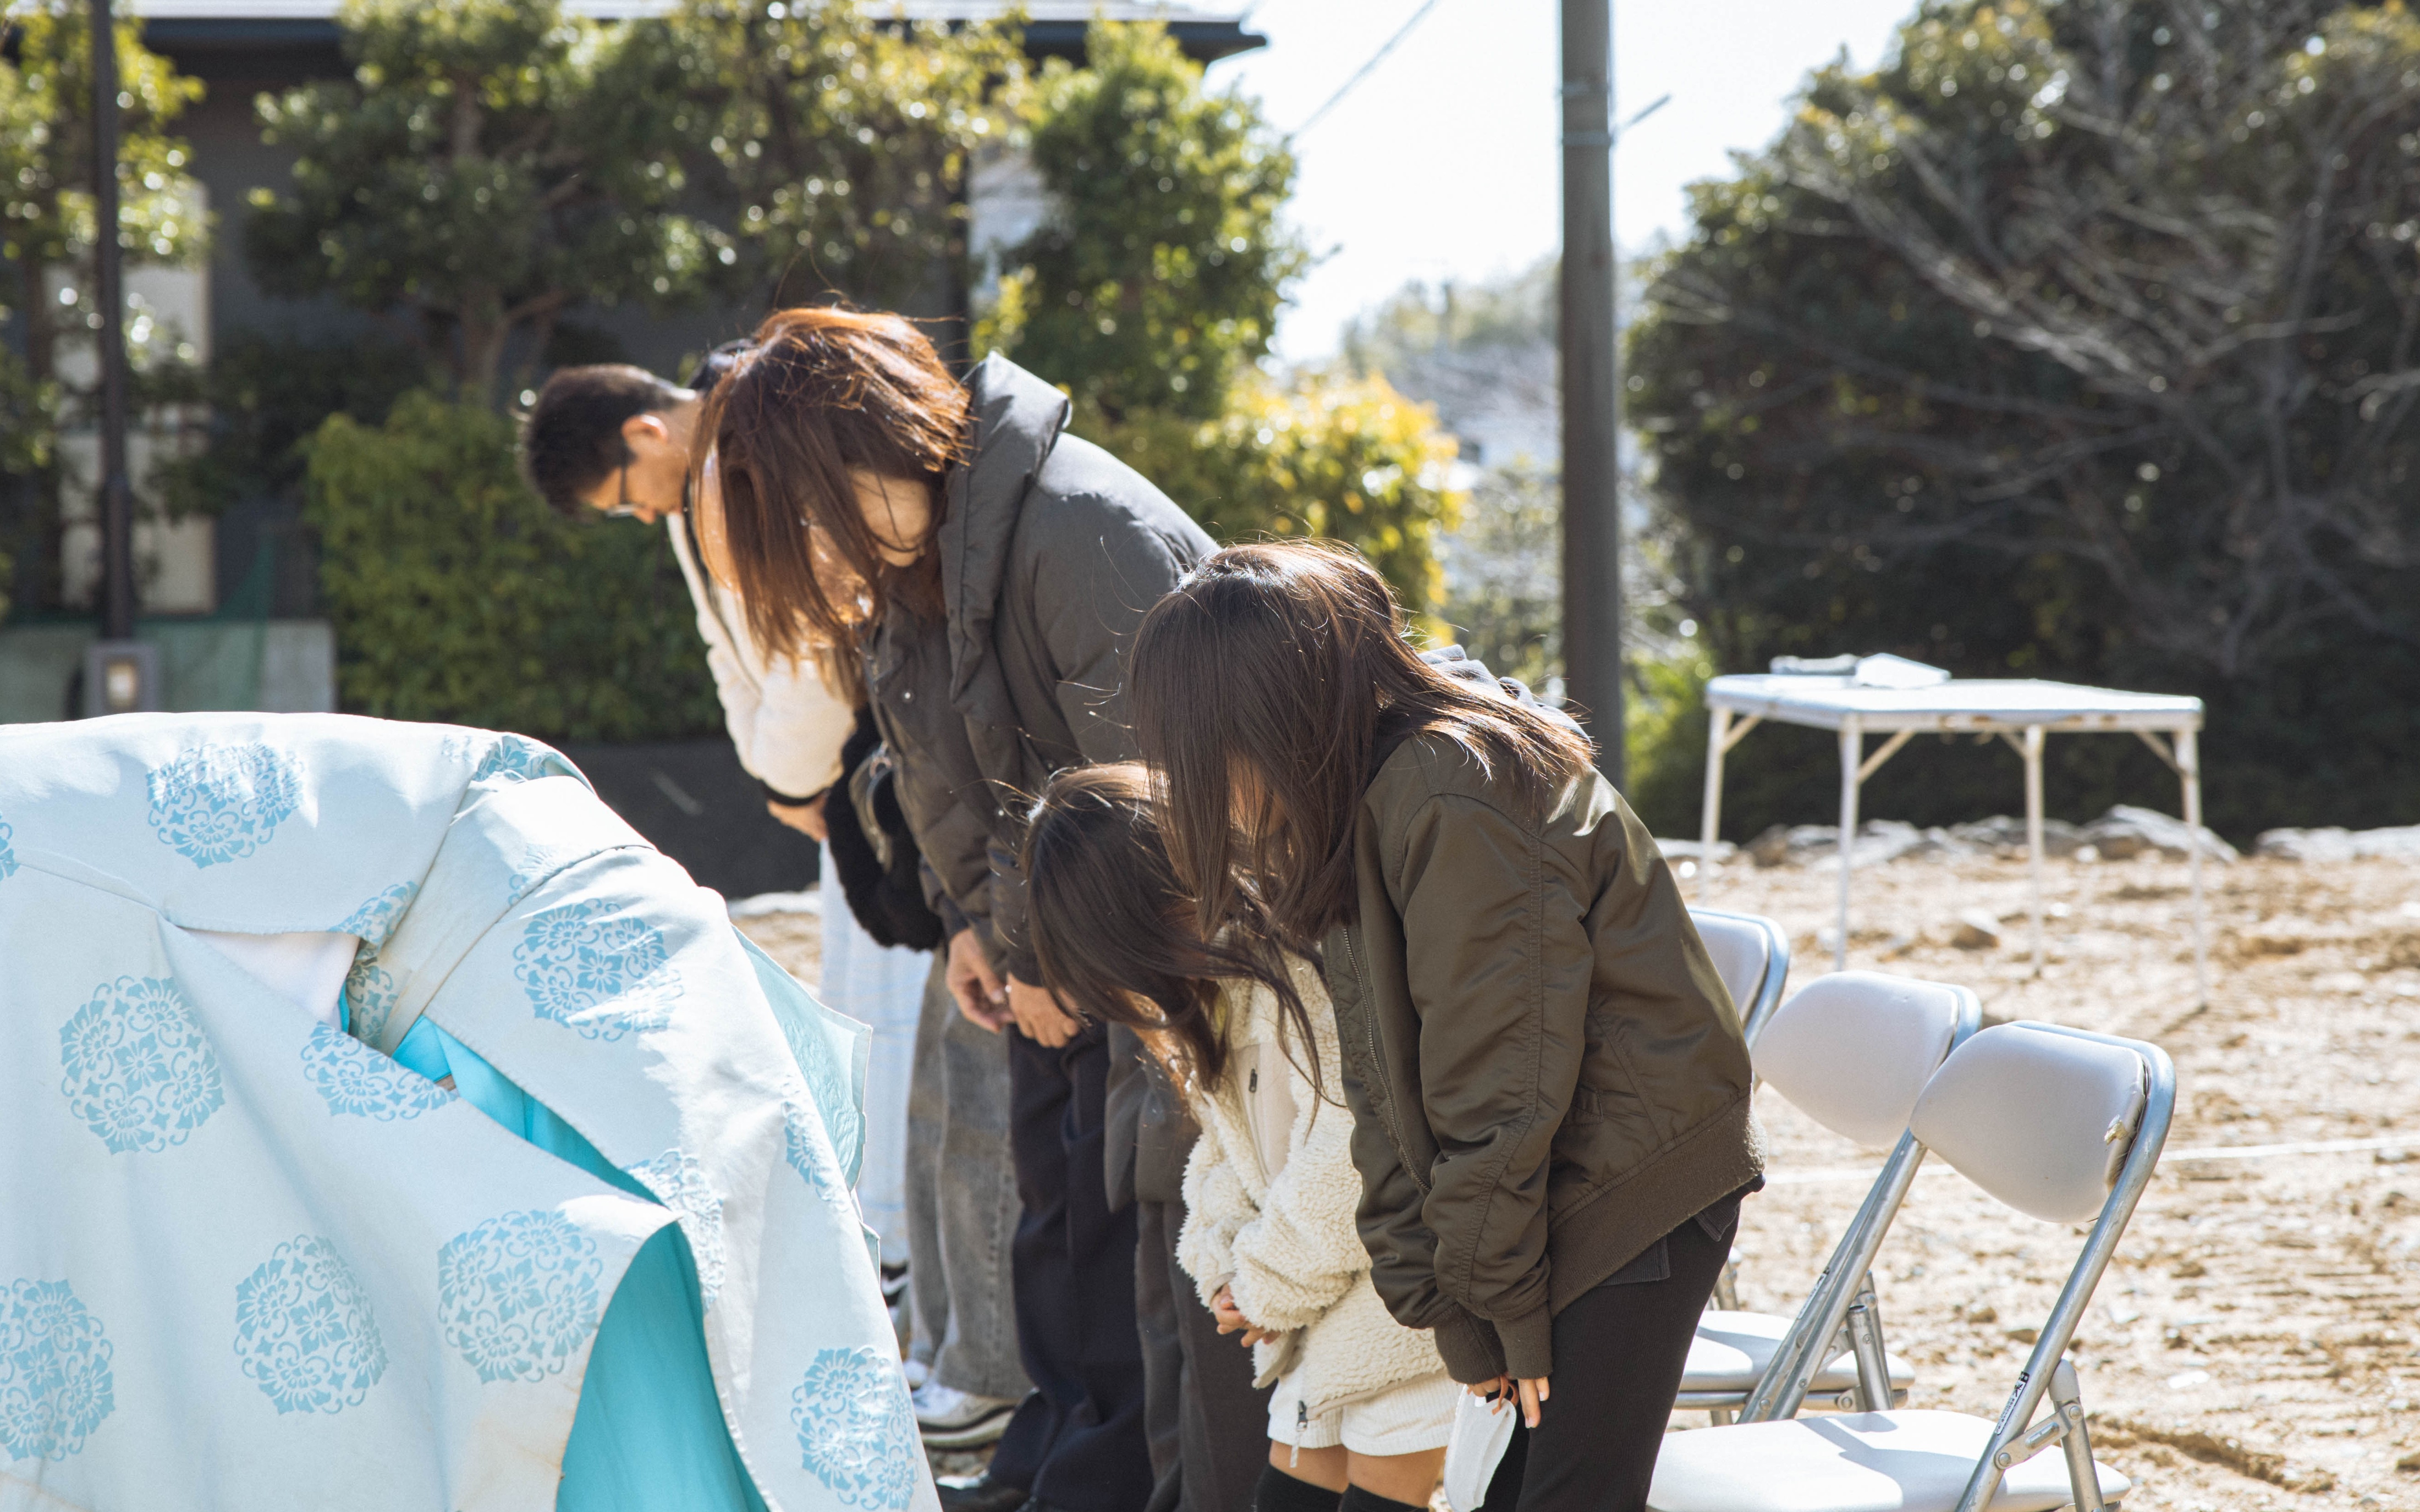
[953, 1419]
[918, 1372]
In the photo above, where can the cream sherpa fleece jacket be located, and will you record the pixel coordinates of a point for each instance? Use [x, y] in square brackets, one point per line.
[1288, 1245]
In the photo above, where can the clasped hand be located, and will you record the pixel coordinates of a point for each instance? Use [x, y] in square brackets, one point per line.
[985, 999]
[1231, 1320]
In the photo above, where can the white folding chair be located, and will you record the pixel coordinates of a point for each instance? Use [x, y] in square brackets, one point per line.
[2059, 1124]
[1752, 956]
[1853, 1051]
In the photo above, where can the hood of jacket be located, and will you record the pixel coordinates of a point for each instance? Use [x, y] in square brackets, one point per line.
[1017, 420]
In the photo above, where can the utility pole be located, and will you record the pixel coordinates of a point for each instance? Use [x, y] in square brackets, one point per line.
[121, 676]
[1591, 432]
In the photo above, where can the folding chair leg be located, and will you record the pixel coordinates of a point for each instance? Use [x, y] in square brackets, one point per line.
[1865, 1326]
[2067, 1400]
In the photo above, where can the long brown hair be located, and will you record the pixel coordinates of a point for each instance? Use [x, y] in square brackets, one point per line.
[1272, 675]
[1115, 931]
[824, 391]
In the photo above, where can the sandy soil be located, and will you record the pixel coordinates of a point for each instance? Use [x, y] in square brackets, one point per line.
[795, 940]
[2252, 1346]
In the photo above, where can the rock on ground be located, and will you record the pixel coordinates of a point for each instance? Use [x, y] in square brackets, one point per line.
[2121, 834]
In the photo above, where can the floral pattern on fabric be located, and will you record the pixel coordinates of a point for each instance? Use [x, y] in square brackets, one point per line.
[857, 1432]
[538, 863]
[596, 968]
[351, 1078]
[811, 1154]
[515, 757]
[679, 1181]
[518, 1294]
[376, 919]
[371, 993]
[221, 803]
[303, 1329]
[8, 852]
[844, 1124]
[54, 1382]
[140, 1073]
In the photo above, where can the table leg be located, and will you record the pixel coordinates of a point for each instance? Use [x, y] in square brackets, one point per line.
[2033, 754]
[1710, 827]
[2188, 745]
[1852, 752]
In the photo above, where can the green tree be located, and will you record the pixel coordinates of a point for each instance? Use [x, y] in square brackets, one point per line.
[47, 232]
[1317, 454]
[1483, 355]
[1151, 289]
[1159, 277]
[457, 595]
[2082, 339]
[489, 165]
[843, 139]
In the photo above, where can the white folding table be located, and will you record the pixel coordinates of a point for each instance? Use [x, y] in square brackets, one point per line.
[2022, 712]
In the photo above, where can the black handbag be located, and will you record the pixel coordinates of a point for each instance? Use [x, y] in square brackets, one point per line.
[871, 850]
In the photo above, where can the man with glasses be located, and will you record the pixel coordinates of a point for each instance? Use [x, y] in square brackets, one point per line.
[615, 439]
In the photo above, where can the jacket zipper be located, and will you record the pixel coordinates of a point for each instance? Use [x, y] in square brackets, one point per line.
[1378, 1063]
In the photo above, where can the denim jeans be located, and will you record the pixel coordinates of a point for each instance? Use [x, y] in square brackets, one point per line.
[962, 1202]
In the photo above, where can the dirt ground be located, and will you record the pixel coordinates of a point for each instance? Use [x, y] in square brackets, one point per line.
[795, 940]
[2253, 1344]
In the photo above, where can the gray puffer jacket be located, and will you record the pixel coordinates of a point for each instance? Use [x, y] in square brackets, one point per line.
[1050, 551]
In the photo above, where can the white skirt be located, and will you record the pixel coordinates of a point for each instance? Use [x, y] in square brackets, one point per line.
[1405, 1418]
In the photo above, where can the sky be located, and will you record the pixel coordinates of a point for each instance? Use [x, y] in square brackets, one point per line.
[1443, 164]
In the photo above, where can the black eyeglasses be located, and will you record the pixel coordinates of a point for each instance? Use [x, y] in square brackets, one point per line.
[622, 508]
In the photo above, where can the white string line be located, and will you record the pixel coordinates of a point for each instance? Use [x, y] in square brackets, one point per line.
[2297, 1147]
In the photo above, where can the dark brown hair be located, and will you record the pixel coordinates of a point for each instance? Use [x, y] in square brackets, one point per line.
[1116, 933]
[1276, 673]
[825, 391]
[571, 439]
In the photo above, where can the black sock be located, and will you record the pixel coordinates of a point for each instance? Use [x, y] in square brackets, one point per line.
[1280, 1492]
[1357, 1498]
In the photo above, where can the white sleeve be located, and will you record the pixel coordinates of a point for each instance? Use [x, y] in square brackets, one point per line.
[1302, 1251]
[787, 726]
[1215, 1206]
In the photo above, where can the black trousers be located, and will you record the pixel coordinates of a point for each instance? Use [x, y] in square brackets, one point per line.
[1210, 1425]
[1619, 1351]
[1077, 1442]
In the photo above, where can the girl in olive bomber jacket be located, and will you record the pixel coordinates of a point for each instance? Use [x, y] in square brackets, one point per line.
[1550, 1093]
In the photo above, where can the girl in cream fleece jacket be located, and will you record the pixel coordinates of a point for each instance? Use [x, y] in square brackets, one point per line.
[1269, 1238]
[1361, 1405]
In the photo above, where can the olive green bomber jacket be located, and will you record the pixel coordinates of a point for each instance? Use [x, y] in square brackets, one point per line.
[1546, 1073]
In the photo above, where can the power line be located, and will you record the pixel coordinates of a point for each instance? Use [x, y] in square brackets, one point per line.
[1364, 71]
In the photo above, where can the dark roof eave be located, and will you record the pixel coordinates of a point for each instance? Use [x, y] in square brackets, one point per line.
[298, 49]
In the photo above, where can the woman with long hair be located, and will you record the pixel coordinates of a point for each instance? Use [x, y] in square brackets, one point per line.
[1549, 1088]
[987, 572]
[1361, 1405]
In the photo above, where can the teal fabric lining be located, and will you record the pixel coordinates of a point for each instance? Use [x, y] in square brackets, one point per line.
[649, 1436]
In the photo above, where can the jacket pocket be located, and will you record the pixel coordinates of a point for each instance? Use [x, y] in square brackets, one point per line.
[1609, 1090]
